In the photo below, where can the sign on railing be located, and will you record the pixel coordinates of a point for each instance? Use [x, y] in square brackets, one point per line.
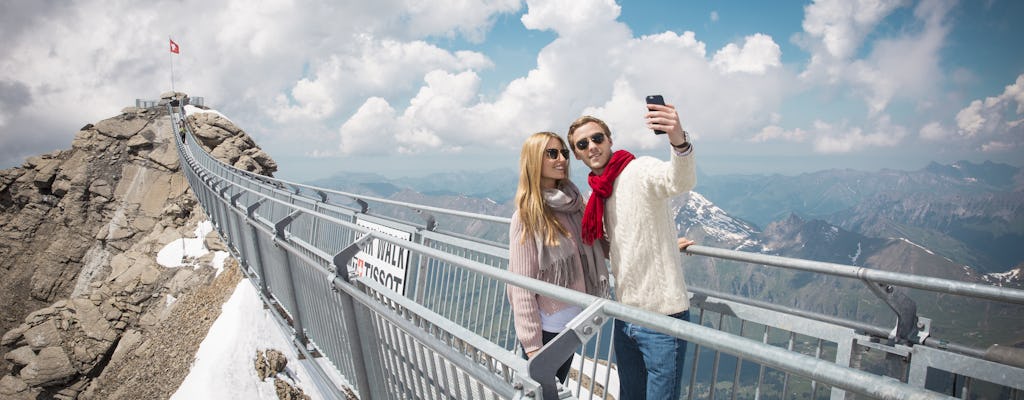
[393, 266]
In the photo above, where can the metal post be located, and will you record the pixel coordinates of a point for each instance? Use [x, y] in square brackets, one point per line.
[356, 349]
[279, 234]
[250, 219]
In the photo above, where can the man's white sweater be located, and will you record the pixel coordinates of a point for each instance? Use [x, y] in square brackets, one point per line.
[644, 254]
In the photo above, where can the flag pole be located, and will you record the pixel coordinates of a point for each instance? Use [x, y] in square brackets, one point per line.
[171, 55]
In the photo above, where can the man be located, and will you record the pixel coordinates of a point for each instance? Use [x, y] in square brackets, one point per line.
[629, 207]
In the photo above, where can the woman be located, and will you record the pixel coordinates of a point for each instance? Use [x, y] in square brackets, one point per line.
[544, 244]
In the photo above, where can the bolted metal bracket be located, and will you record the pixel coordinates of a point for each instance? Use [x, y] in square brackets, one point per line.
[429, 218]
[904, 307]
[579, 330]
[343, 257]
[234, 199]
[279, 233]
[250, 211]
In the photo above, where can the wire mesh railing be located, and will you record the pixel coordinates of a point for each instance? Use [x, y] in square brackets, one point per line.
[403, 309]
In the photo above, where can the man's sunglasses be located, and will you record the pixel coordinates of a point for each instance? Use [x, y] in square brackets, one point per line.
[584, 143]
[553, 153]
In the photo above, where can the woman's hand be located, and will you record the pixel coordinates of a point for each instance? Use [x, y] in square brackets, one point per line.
[684, 243]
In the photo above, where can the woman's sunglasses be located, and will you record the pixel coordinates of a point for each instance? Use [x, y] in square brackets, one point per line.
[553, 153]
[584, 143]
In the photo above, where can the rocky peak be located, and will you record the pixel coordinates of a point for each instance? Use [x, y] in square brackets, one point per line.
[79, 232]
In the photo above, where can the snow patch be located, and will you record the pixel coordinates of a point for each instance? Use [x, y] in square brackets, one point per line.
[190, 109]
[917, 245]
[223, 366]
[176, 253]
[717, 223]
[853, 259]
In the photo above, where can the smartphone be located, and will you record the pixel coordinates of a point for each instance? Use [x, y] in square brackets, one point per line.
[656, 99]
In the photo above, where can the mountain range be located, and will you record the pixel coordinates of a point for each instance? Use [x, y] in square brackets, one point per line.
[962, 221]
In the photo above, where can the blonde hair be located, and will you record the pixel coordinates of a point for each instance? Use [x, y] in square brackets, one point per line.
[536, 217]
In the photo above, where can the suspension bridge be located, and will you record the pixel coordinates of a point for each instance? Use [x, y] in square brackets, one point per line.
[383, 301]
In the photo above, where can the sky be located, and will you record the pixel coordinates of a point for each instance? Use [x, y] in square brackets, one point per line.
[406, 88]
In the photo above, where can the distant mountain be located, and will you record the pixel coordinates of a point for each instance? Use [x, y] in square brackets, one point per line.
[970, 213]
[699, 218]
[360, 183]
[498, 185]
[961, 319]
[897, 236]
[1001, 176]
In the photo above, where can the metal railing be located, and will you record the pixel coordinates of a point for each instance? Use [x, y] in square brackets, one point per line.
[393, 306]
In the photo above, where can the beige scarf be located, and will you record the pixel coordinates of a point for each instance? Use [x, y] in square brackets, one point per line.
[557, 262]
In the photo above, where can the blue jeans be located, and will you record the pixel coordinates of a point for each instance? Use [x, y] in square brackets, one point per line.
[650, 363]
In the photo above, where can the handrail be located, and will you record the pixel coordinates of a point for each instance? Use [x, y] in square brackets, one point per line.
[842, 377]
[874, 275]
[220, 186]
[411, 206]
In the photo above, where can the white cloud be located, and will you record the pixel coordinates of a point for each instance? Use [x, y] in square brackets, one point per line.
[774, 132]
[841, 139]
[991, 120]
[839, 26]
[611, 71]
[384, 67]
[759, 52]
[569, 17]
[370, 130]
[392, 76]
[903, 66]
[934, 131]
[279, 67]
[450, 18]
[999, 146]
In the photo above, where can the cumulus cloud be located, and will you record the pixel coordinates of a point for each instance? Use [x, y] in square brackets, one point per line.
[391, 76]
[279, 69]
[370, 130]
[774, 132]
[758, 53]
[934, 131]
[451, 18]
[383, 67]
[902, 66]
[569, 17]
[996, 121]
[436, 119]
[830, 139]
[596, 66]
[839, 26]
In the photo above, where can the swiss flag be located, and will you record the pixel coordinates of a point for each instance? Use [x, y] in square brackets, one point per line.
[174, 47]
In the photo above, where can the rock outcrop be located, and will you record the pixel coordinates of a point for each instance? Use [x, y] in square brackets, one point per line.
[79, 232]
[271, 364]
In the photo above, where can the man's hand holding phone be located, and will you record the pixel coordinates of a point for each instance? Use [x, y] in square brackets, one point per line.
[664, 119]
[655, 99]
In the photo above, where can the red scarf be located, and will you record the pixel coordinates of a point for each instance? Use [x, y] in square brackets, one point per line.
[593, 215]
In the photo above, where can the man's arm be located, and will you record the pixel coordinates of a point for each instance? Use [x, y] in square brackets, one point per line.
[679, 175]
[665, 118]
